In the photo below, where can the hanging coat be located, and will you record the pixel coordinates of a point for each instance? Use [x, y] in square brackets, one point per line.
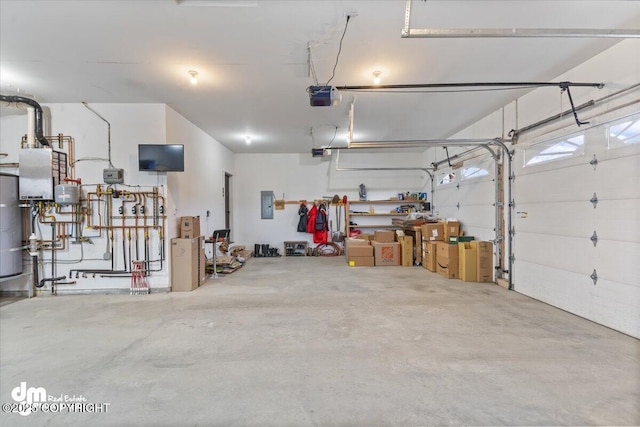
[303, 212]
[321, 225]
[311, 224]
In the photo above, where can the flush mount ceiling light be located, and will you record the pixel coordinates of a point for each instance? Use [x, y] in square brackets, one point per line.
[376, 77]
[194, 75]
[247, 139]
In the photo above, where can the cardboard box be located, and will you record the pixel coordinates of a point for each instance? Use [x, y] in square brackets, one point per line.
[224, 259]
[485, 260]
[185, 264]
[362, 261]
[429, 252]
[353, 241]
[467, 262]
[447, 260]
[189, 227]
[451, 228]
[364, 236]
[386, 253]
[416, 233]
[360, 251]
[433, 231]
[384, 236]
[406, 246]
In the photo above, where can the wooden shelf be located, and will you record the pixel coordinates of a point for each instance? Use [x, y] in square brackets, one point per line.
[361, 215]
[375, 226]
[377, 214]
[373, 202]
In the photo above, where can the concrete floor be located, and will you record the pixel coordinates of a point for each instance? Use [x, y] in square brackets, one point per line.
[312, 342]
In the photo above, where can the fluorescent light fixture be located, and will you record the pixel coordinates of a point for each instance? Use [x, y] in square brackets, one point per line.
[247, 139]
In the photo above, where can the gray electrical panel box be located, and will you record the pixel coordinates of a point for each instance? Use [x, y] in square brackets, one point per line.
[113, 176]
[266, 204]
[41, 169]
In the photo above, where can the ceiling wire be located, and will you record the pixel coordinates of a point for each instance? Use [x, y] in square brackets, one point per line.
[333, 74]
[335, 132]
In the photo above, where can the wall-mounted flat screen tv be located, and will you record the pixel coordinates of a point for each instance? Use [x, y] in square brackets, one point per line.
[161, 157]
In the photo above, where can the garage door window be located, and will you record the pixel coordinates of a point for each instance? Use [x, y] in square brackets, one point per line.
[555, 149]
[475, 169]
[447, 178]
[623, 132]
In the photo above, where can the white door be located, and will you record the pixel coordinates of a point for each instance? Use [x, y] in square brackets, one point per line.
[557, 257]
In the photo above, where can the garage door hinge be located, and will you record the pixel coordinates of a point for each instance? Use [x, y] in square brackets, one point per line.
[594, 238]
[594, 200]
[458, 186]
[594, 162]
[458, 206]
[512, 231]
[594, 276]
[512, 257]
[512, 204]
[512, 177]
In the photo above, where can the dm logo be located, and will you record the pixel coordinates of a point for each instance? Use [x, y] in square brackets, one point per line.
[28, 396]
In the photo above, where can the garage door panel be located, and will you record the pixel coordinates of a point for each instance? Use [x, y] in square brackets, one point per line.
[613, 179]
[560, 252]
[614, 261]
[557, 185]
[617, 179]
[617, 220]
[445, 201]
[572, 219]
[477, 193]
[608, 303]
[617, 261]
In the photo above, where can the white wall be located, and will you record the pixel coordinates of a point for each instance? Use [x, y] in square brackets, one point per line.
[188, 193]
[199, 188]
[302, 177]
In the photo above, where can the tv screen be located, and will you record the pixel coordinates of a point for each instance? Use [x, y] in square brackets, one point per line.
[161, 157]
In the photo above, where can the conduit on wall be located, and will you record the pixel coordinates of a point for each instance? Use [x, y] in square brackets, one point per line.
[480, 143]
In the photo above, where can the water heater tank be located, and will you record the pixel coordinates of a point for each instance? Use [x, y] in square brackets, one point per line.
[66, 194]
[10, 227]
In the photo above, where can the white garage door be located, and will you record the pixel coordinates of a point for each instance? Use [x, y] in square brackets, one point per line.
[468, 194]
[557, 220]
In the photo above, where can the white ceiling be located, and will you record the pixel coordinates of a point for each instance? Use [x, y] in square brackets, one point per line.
[251, 57]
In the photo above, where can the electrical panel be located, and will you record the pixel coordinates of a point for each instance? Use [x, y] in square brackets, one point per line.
[113, 176]
[41, 169]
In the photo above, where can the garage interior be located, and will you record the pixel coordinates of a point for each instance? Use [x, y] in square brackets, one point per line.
[174, 286]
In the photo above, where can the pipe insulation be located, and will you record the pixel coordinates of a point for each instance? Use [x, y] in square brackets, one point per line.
[38, 125]
[31, 127]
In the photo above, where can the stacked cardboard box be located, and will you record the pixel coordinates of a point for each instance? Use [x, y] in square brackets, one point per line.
[467, 262]
[406, 245]
[384, 236]
[433, 232]
[189, 227]
[359, 253]
[447, 260]
[386, 253]
[451, 228]
[484, 260]
[429, 251]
